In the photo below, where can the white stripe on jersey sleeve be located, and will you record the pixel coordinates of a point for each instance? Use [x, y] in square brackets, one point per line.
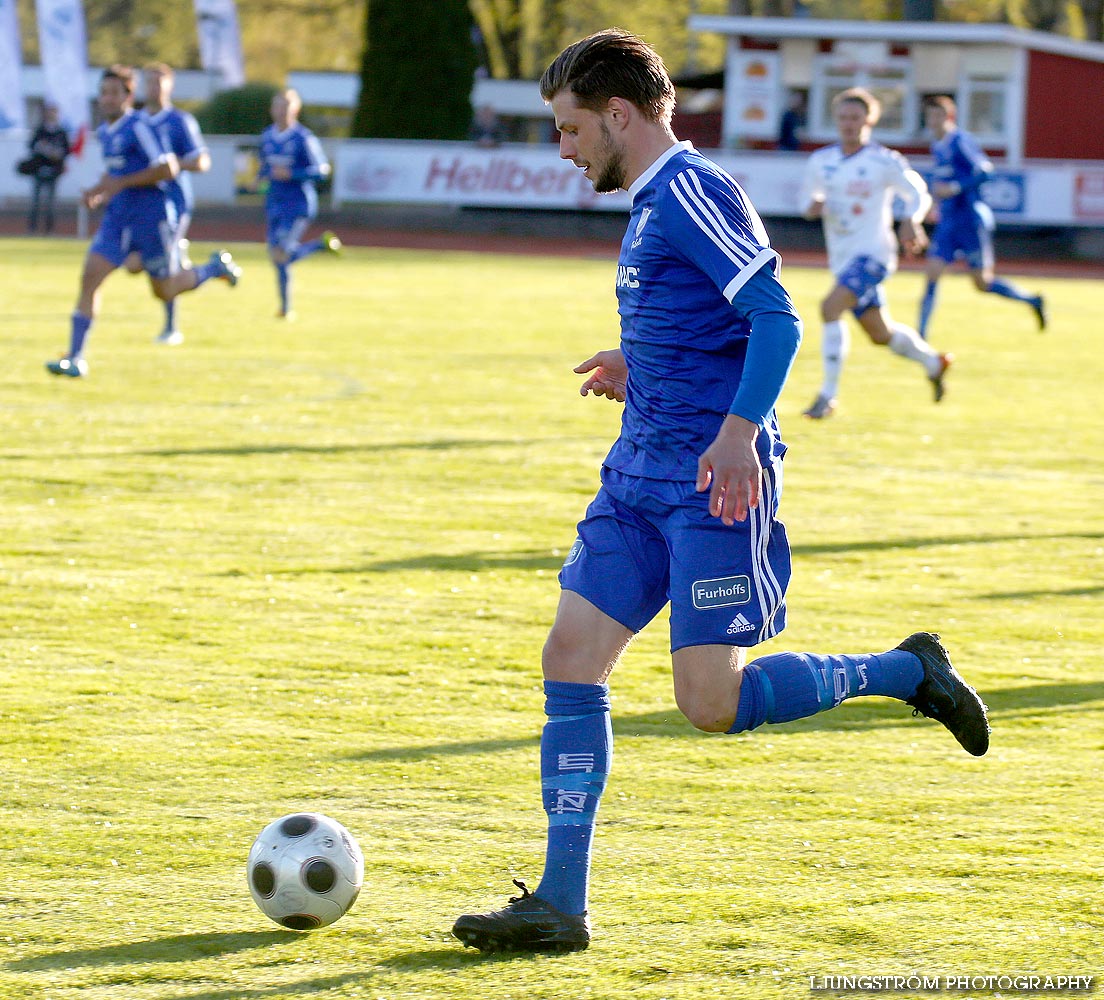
[150, 146]
[704, 212]
[317, 155]
[191, 126]
[748, 256]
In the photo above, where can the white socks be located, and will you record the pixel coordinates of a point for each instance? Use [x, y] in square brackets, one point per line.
[835, 345]
[905, 341]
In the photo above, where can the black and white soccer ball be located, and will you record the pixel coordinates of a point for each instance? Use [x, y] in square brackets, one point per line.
[305, 871]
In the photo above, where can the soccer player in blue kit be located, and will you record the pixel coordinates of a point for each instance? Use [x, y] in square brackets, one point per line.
[138, 217]
[180, 135]
[292, 162]
[965, 226]
[687, 510]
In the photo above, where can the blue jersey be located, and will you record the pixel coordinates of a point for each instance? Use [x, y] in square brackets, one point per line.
[299, 150]
[693, 242]
[179, 134]
[960, 160]
[130, 145]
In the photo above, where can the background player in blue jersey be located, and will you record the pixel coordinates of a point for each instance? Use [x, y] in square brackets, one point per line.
[179, 134]
[138, 216]
[292, 163]
[687, 510]
[965, 225]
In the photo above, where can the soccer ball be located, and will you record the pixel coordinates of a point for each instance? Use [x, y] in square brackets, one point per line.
[305, 871]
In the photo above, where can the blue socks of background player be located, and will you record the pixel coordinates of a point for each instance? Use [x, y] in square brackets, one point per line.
[78, 332]
[927, 304]
[304, 250]
[283, 283]
[998, 286]
[576, 750]
[782, 687]
[170, 315]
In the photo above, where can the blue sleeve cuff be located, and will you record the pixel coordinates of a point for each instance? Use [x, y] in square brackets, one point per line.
[772, 345]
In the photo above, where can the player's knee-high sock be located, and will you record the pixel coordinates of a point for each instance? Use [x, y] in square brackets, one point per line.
[576, 750]
[906, 342]
[304, 250]
[206, 271]
[1006, 289]
[787, 686]
[283, 283]
[835, 345]
[927, 306]
[170, 315]
[78, 333]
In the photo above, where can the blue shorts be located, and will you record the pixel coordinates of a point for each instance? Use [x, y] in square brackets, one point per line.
[967, 238]
[645, 542]
[863, 277]
[286, 231]
[150, 234]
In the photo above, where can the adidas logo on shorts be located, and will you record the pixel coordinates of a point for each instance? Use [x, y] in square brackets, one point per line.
[740, 624]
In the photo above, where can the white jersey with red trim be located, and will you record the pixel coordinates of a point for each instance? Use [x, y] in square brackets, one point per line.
[858, 192]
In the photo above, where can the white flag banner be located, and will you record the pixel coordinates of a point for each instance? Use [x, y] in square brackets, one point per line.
[220, 48]
[64, 51]
[12, 115]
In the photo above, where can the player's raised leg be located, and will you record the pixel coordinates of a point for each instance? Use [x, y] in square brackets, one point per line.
[782, 687]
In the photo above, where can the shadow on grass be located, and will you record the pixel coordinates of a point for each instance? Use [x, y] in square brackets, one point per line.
[174, 948]
[470, 562]
[855, 714]
[366, 448]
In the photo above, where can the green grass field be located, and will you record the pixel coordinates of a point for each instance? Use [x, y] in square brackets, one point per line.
[311, 566]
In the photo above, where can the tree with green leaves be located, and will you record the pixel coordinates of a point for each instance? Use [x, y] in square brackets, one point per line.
[416, 70]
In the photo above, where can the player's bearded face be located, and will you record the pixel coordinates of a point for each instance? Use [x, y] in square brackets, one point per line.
[611, 176]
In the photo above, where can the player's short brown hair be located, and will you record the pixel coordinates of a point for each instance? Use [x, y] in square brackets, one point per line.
[612, 63]
[124, 74]
[943, 102]
[860, 95]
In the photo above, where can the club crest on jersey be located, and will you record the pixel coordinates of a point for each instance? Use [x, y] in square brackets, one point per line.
[627, 276]
[722, 592]
[644, 216]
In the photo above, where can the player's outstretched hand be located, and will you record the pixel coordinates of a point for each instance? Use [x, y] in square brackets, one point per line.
[729, 468]
[609, 375]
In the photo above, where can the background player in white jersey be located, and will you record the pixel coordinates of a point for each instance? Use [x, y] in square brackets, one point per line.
[138, 217]
[688, 507]
[179, 134]
[852, 186]
[964, 228]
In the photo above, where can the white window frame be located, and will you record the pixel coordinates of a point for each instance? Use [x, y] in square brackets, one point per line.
[992, 83]
[828, 67]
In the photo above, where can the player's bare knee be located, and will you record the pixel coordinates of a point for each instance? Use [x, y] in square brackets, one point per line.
[706, 714]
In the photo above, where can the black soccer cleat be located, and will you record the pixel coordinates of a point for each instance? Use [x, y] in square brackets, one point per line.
[944, 696]
[939, 390]
[1039, 305]
[527, 923]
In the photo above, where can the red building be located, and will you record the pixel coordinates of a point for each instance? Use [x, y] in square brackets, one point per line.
[1026, 95]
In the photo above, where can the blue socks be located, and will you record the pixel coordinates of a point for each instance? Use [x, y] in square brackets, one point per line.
[78, 332]
[576, 750]
[304, 250]
[283, 283]
[783, 687]
[927, 305]
[170, 315]
[998, 286]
